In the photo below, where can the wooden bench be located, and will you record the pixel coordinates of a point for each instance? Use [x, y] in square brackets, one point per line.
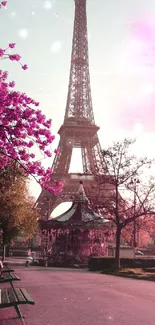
[6, 269]
[13, 298]
[8, 277]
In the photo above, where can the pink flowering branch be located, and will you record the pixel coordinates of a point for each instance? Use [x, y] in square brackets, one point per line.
[23, 126]
[13, 57]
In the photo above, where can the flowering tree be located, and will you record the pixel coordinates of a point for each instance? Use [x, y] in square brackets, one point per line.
[23, 127]
[145, 229]
[116, 193]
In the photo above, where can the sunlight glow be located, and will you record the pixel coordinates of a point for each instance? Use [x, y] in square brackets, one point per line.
[76, 161]
[47, 4]
[23, 33]
[56, 47]
[149, 89]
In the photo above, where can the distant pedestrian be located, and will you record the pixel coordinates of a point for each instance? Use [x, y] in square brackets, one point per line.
[29, 252]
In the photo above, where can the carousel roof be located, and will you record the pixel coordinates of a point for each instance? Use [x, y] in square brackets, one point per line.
[79, 213]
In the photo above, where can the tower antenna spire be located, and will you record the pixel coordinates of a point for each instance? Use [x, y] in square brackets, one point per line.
[79, 101]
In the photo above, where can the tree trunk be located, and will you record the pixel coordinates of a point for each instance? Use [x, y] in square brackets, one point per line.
[3, 252]
[8, 250]
[117, 251]
[4, 246]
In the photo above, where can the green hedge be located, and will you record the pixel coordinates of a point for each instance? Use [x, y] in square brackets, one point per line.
[103, 263]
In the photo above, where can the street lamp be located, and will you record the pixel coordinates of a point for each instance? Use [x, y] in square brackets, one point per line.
[48, 214]
[134, 181]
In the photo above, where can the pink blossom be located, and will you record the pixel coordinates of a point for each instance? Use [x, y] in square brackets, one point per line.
[47, 153]
[36, 103]
[4, 3]
[25, 67]
[5, 75]
[12, 45]
[14, 57]
[11, 84]
[30, 144]
[2, 52]
[32, 155]
[56, 151]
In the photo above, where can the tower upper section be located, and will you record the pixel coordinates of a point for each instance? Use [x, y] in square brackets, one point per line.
[79, 102]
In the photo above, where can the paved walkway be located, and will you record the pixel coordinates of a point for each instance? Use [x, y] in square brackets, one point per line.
[78, 297]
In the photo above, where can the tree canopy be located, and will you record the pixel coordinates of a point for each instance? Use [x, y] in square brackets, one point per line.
[125, 191]
[17, 212]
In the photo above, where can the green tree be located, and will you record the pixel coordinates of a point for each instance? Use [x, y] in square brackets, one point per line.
[17, 212]
[117, 193]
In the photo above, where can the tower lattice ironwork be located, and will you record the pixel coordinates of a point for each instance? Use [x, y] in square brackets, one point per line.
[78, 129]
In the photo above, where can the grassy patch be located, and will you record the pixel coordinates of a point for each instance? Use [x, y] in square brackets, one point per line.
[131, 271]
[137, 273]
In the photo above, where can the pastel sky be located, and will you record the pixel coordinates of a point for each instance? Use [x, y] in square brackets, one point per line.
[122, 80]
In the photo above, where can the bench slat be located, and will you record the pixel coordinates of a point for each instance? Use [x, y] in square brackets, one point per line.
[20, 296]
[9, 277]
[7, 270]
[9, 298]
[13, 277]
[12, 296]
[15, 297]
[4, 297]
[16, 277]
[27, 296]
[6, 277]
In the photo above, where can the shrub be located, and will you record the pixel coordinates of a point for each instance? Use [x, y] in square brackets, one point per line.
[103, 263]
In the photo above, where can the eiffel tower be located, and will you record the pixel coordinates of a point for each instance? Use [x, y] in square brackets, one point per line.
[78, 129]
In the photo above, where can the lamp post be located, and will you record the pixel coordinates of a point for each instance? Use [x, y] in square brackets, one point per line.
[134, 223]
[48, 214]
[134, 181]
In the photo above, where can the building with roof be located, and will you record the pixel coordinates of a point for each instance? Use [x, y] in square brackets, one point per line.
[77, 233]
